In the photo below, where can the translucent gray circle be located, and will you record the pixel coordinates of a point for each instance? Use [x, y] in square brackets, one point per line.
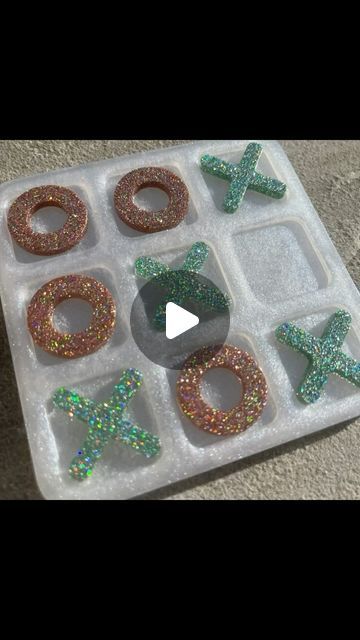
[192, 292]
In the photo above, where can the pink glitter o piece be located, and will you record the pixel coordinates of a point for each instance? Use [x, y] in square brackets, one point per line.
[240, 417]
[151, 221]
[47, 244]
[71, 345]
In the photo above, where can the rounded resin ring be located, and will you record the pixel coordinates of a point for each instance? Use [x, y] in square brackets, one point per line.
[71, 345]
[151, 221]
[240, 417]
[47, 244]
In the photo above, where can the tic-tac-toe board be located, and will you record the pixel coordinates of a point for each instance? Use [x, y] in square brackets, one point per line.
[274, 259]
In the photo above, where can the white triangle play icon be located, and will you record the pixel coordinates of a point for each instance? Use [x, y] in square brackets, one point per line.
[178, 320]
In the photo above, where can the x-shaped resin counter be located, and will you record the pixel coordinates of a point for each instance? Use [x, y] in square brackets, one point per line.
[324, 354]
[106, 421]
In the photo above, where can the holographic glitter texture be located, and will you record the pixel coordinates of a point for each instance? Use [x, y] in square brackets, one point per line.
[106, 421]
[182, 283]
[149, 268]
[242, 176]
[324, 354]
[71, 345]
[215, 421]
[151, 221]
[47, 244]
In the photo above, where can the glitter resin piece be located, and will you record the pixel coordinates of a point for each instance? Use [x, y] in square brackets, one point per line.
[182, 283]
[106, 421]
[71, 345]
[150, 268]
[47, 244]
[216, 421]
[324, 354]
[242, 176]
[151, 221]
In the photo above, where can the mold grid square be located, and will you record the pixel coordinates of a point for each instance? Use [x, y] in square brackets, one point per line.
[274, 258]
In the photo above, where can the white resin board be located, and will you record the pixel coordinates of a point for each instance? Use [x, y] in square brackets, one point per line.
[273, 257]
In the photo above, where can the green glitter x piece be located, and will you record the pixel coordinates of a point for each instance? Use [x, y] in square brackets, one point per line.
[182, 284]
[150, 268]
[324, 354]
[242, 176]
[106, 421]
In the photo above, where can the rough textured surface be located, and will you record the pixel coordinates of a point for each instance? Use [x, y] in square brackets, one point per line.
[323, 466]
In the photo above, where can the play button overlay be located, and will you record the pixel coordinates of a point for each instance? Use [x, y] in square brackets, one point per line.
[177, 313]
[178, 320]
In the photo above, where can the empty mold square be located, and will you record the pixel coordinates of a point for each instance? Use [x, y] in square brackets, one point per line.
[295, 363]
[222, 389]
[150, 198]
[49, 219]
[218, 187]
[70, 432]
[279, 261]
